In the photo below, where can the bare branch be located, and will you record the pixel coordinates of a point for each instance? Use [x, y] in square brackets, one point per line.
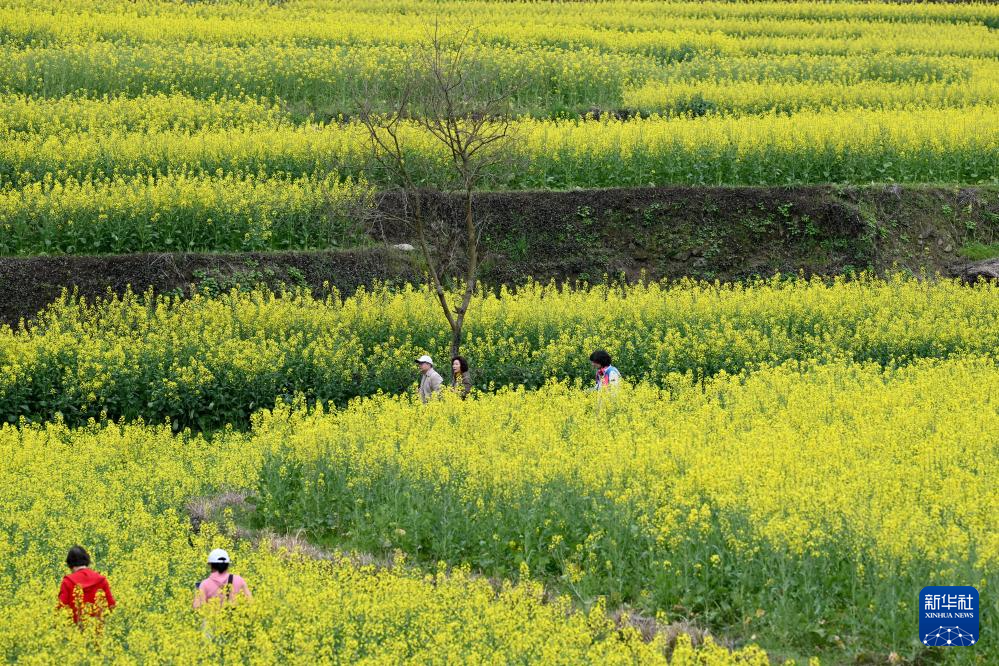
[443, 96]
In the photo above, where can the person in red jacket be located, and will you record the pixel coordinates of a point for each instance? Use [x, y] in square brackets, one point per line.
[84, 590]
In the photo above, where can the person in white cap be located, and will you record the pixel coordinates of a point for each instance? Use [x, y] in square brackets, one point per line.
[220, 584]
[431, 382]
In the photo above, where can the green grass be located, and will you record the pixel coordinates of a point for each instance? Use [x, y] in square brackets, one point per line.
[977, 251]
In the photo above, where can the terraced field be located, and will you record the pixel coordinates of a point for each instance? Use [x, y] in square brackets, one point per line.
[149, 126]
[795, 461]
[786, 463]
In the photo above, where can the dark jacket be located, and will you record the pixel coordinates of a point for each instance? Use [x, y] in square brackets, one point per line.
[462, 383]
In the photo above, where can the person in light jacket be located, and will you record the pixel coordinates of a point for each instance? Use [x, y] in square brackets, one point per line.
[431, 382]
[220, 586]
[461, 381]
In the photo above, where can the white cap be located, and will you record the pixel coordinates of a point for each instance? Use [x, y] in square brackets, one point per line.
[425, 359]
[218, 556]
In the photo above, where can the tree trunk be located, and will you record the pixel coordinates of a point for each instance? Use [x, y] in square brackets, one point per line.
[471, 272]
[456, 336]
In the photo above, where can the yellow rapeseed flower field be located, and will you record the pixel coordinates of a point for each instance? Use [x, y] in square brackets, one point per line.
[746, 503]
[770, 491]
[726, 93]
[795, 460]
[785, 465]
[208, 361]
[121, 490]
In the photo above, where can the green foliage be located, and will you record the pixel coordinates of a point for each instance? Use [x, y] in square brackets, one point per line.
[978, 251]
[206, 362]
[181, 212]
[157, 126]
[778, 503]
[938, 145]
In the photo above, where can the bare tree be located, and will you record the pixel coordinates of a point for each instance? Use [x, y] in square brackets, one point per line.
[443, 95]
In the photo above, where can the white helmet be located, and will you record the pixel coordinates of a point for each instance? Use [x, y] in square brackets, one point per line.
[218, 556]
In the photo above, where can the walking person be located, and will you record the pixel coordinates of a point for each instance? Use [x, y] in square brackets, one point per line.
[84, 590]
[607, 375]
[461, 381]
[431, 382]
[220, 584]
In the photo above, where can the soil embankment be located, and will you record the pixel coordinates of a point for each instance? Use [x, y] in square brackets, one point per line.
[708, 233]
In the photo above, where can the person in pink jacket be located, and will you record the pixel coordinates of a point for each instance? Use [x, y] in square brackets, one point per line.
[220, 584]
